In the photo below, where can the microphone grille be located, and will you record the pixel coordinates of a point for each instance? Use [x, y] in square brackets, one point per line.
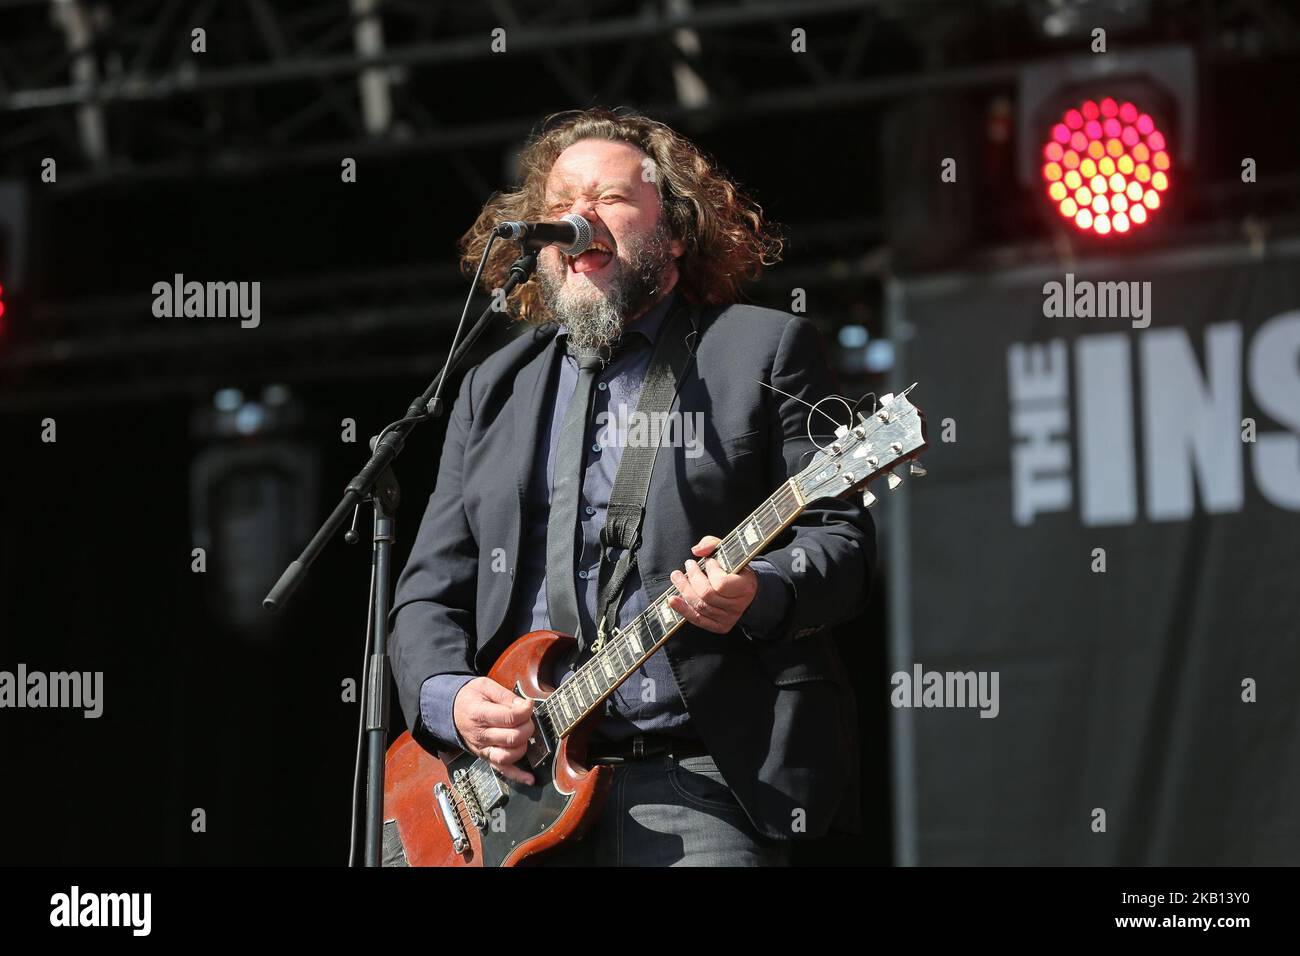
[584, 234]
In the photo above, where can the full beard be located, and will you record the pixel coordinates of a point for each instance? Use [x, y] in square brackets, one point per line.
[595, 319]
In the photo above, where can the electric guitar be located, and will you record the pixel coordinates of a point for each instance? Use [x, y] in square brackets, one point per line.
[458, 811]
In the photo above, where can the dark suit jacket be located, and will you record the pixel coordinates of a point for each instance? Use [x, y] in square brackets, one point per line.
[778, 715]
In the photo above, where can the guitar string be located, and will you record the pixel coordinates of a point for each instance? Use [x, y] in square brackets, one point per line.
[784, 496]
[622, 645]
[482, 772]
[781, 497]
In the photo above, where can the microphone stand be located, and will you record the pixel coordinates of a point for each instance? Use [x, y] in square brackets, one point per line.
[376, 484]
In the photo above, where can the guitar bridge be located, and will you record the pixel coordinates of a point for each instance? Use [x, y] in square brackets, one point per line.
[469, 799]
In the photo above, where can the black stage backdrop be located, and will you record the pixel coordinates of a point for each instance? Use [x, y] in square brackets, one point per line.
[1147, 713]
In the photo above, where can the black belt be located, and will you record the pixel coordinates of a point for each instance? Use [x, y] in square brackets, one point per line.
[645, 745]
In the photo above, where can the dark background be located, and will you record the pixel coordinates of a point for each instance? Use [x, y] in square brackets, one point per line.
[226, 166]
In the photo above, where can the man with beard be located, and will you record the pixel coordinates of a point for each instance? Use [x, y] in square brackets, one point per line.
[739, 734]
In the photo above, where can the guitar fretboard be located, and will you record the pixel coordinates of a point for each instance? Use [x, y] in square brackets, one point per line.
[584, 690]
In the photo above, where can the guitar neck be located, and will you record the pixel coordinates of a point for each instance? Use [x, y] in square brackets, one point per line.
[628, 648]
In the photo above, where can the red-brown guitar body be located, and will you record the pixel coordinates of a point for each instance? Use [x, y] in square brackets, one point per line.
[502, 823]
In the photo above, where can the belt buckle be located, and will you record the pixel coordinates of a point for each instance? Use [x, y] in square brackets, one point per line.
[638, 746]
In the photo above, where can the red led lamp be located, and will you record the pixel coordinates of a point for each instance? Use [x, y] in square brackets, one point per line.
[1106, 167]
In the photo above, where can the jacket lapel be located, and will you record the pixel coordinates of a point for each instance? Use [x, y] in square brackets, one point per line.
[528, 397]
[532, 385]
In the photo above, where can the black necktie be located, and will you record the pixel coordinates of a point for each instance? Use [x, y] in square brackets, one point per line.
[562, 525]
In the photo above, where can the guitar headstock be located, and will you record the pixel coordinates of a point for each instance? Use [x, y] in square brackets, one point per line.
[875, 444]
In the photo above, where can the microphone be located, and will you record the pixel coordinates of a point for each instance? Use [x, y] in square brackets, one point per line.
[572, 233]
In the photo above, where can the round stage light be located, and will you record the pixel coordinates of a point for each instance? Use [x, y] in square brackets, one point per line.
[1106, 166]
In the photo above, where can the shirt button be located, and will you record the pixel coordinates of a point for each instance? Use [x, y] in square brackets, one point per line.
[590, 510]
[583, 575]
[596, 447]
[602, 386]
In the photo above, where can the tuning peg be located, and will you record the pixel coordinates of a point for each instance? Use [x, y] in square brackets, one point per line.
[868, 499]
[893, 480]
[917, 470]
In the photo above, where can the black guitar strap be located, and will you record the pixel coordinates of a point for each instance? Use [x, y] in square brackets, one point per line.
[673, 352]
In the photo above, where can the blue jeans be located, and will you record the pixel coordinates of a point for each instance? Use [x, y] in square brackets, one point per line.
[671, 811]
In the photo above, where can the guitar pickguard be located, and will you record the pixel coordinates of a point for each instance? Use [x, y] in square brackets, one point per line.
[522, 815]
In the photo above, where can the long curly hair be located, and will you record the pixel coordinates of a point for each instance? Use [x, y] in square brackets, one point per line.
[727, 240]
